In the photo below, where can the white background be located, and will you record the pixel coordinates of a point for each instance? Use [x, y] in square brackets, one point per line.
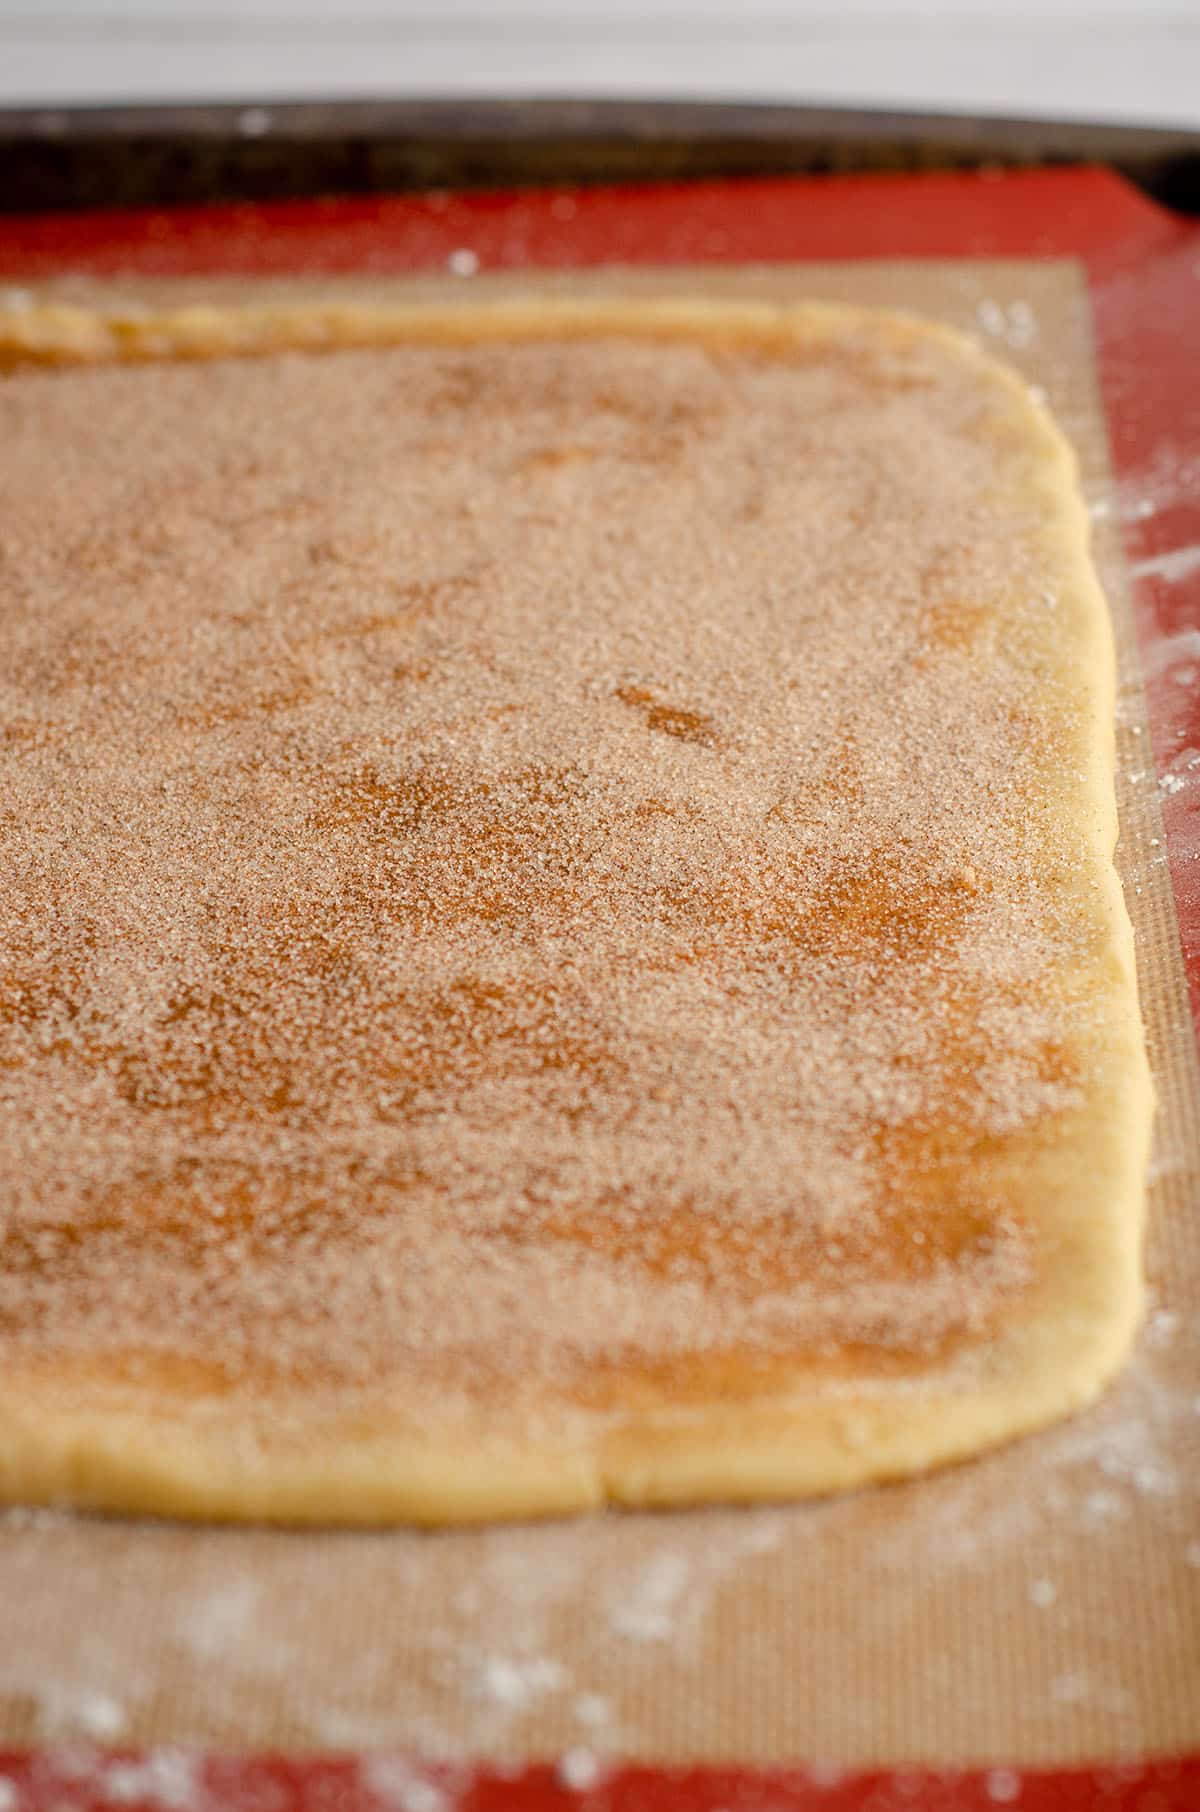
[1114, 59]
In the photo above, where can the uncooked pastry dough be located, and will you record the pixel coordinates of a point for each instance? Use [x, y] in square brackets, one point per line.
[562, 938]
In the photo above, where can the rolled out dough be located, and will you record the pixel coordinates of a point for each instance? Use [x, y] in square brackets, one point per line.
[560, 936]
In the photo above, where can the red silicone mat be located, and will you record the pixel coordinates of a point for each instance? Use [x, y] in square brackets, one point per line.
[1143, 270]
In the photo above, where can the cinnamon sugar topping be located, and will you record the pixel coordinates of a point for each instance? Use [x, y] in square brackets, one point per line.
[523, 866]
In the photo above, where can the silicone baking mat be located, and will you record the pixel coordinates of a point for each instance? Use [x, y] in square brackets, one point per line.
[1010, 1620]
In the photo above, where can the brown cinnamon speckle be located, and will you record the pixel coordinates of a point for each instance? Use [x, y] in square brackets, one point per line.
[399, 997]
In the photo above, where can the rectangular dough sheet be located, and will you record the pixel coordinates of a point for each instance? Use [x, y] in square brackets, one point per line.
[560, 939]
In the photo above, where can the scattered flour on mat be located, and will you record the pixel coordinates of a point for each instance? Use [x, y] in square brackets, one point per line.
[33, 1516]
[400, 1787]
[516, 1683]
[1014, 324]
[651, 1611]
[69, 1704]
[165, 1778]
[221, 1620]
[1173, 564]
[97, 1715]
[1171, 653]
[557, 1628]
[1183, 775]
[592, 1710]
[1169, 480]
[827, 1775]
[578, 1770]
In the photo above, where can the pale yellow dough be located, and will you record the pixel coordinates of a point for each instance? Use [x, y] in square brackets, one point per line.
[94, 1439]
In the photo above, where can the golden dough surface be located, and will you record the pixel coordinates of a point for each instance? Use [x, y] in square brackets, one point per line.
[559, 934]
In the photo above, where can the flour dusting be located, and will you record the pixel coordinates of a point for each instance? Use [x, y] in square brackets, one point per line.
[650, 1613]
[579, 1770]
[515, 1684]
[1174, 565]
[168, 1778]
[400, 1787]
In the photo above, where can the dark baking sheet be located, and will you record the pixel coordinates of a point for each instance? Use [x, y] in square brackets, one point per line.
[162, 156]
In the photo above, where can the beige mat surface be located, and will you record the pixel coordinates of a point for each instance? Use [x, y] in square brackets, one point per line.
[1042, 1604]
